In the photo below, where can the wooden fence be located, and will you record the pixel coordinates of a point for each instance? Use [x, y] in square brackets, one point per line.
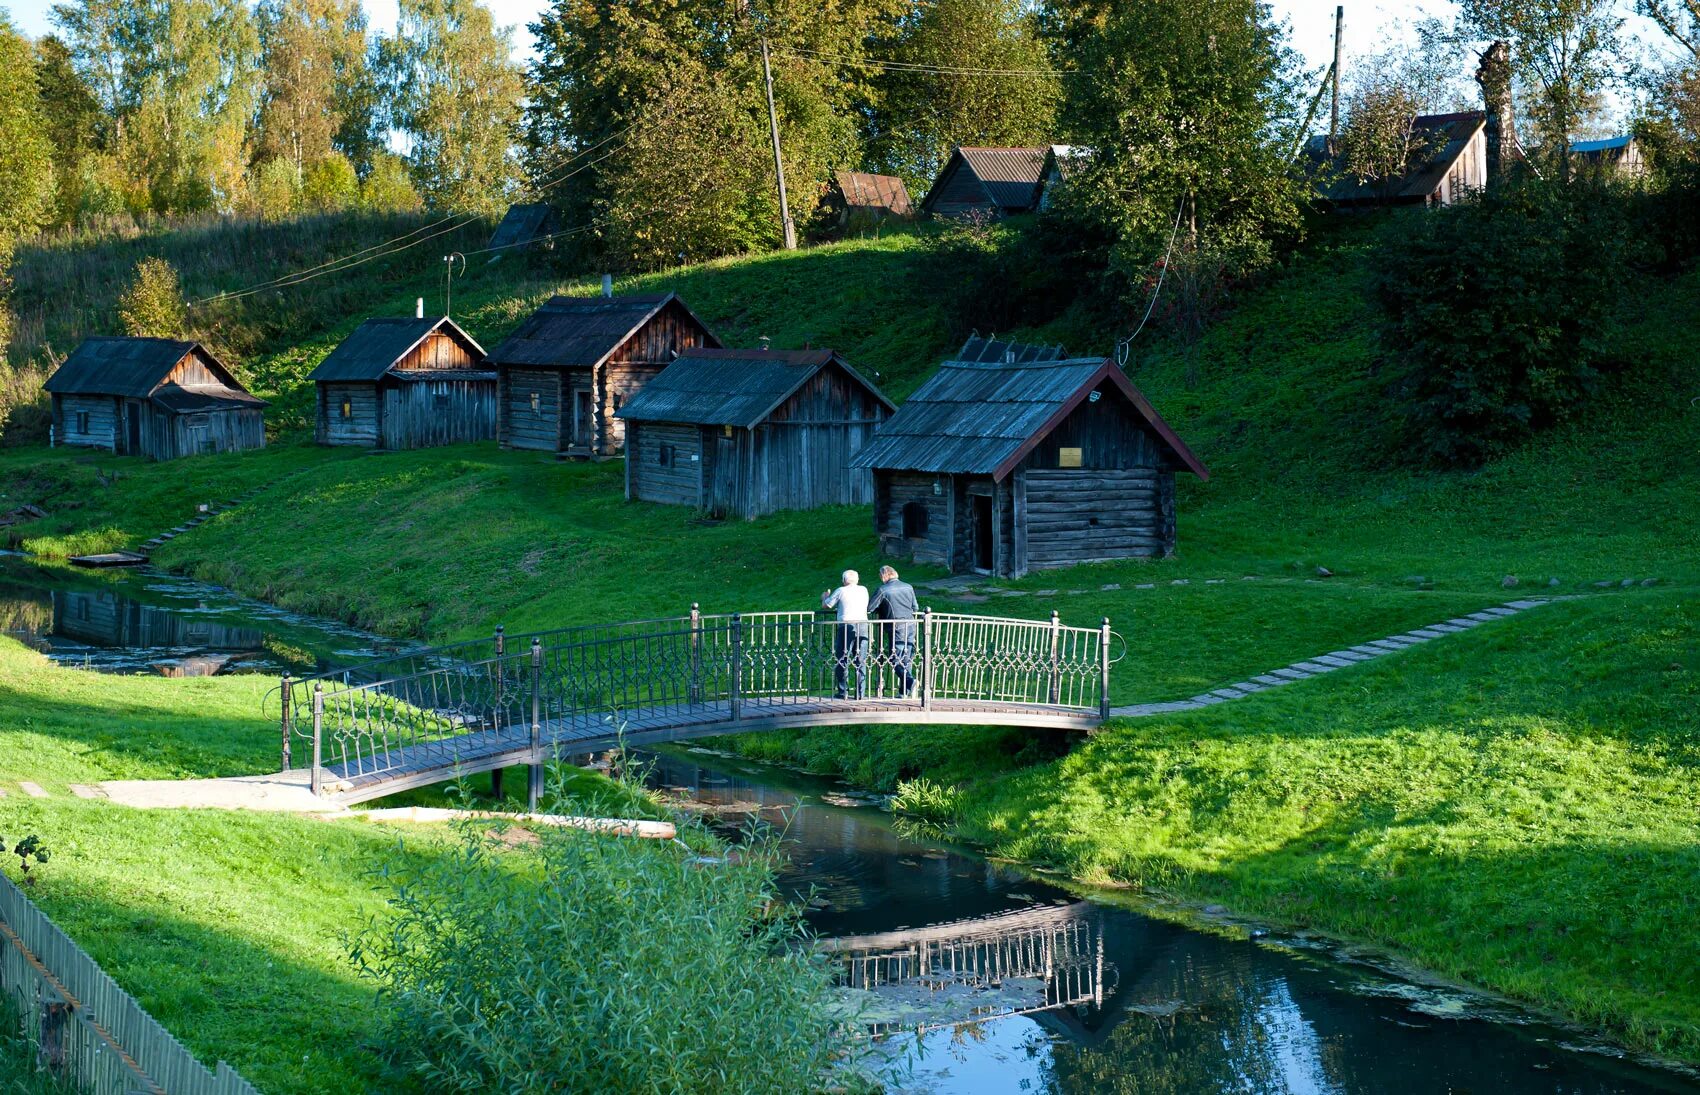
[85, 1028]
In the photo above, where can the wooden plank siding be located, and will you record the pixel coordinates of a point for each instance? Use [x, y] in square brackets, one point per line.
[419, 414]
[1092, 515]
[664, 463]
[438, 350]
[905, 488]
[102, 429]
[197, 432]
[360, 425]
[523, 427]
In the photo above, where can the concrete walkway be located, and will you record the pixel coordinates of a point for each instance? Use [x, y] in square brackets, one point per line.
[1327, 663]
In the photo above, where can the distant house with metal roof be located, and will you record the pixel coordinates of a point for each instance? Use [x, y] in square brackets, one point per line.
[405, 383]
[995, 181]
[1018, 459]
[566, 372]
[1620, 155]
[1448, 159]
[749, 432]
[155, 397]
[859, 199]
[522, 224]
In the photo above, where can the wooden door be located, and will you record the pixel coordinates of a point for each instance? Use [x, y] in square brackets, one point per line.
[722, 497]
[132, 428]
[583, 419]
[982, 531]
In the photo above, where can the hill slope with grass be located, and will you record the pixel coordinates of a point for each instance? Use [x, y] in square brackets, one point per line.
[1511, 806]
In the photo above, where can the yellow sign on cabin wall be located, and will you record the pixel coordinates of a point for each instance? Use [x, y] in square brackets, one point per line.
[1068, 458]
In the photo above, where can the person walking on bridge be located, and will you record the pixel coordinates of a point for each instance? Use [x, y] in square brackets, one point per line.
[895, 601]
[850, 636]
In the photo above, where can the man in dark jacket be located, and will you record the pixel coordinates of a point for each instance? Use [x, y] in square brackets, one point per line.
[895, 601]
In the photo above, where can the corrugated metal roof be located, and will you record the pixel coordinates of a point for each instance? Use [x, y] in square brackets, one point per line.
[377, 344]
[580, 332]
[710, 387]
[1445, 136]
[979, 417]
[1010, 175]
[113, 365]
[986, 349]
[863, 190]
[521, 224]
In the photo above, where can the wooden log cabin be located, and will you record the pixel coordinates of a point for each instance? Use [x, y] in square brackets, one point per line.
[399, 383]
[564, 375]
[1018, 458]
[748, 432]
[995, 182]
[156, 397]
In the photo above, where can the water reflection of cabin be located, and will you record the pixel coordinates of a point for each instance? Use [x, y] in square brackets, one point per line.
[1014, 458]
[105, 620]
[399, 383]
[154, 397]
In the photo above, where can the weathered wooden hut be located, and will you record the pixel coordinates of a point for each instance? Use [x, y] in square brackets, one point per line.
[858, 199]
[523, 224]
[1008, 464]
[154, 397]
[749, 432]
[567, 371]
[1448, 158]
[1619, 156]
[991, 181]
[399, 383]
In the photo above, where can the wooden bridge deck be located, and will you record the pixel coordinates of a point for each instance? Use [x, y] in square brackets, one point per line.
[432, 762]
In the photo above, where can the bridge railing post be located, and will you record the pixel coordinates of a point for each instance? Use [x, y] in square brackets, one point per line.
[926, 684]
[534, 785]
[287, 698]
[316, 777]
[1104, 669]
[694, 691]
[1056, 665]
[737, 665]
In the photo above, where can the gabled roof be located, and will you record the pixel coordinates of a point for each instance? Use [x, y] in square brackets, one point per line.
[134, 368]
[1009, 177]
[862, 190]
[984, 417]
[379, 343]
[521, 224]
[1442, 137]
[581, 332]
[986, 349]
[732, 387]
[1608, 144]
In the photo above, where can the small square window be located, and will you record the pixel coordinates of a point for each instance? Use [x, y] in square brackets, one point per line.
[536, 402]
[82, 422]
[347, 409]
[664, 456]
[1068, 458]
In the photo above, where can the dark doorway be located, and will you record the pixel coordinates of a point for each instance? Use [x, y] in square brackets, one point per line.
[132, 429]
[582, 419]
[982, 537]
[723, 496]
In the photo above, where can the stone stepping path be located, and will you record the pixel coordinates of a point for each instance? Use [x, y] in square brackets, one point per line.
[199, 519]
[1328, 663]
[33, 790]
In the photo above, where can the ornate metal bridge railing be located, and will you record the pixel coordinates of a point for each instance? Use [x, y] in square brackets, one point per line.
[541, 694]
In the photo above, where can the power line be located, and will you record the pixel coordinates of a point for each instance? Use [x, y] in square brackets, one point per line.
[1123, 346]
[905, 66]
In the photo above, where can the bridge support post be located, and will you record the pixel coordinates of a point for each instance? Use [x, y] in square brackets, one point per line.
[499, 700]
[926, 682]
[534, 785]
[695, 691]
[1056, 667]
[315, 778]
[285, 691]
[736, 704]
[1104, 670]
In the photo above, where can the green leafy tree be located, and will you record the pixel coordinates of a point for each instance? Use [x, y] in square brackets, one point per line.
[330, 185]
[316, 95]
[387, 187]
[152, 304]
[922, 116]
[26, 163]
[75, 126]
[274, 189]
[455, 92]
[1189, 110]
[1563, 52]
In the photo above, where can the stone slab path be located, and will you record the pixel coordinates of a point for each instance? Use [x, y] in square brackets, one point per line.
[1328, 663]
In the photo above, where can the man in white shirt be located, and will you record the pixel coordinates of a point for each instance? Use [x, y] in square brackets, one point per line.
[850, 637]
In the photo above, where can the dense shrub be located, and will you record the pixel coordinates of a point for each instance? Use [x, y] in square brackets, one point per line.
[1498, 311]
[567, 960]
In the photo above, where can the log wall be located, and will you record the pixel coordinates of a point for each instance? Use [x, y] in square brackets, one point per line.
[522, 427]
[678, 482]
[102, 411]
[361, 427]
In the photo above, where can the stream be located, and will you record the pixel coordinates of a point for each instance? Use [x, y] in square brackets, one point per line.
[967, 975]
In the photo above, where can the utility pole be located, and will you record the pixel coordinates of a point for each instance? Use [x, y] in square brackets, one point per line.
[1334, 108]
[778, 161]
[449, 277]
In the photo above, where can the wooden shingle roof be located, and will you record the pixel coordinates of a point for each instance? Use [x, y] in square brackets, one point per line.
[708, 387]
[863, 190]
[522, 223]
[135, 368]
[379, 343]
[581, 332]
[983, 417]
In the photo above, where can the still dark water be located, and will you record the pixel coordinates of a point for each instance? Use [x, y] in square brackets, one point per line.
[1013, 984]
[1164, 1008]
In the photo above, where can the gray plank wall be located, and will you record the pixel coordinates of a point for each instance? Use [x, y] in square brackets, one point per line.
[102, 432]
[651, 481]
[360, 427]
[1082, 515]
[175, 435]
[524, 428]
[900, 488]
[419, 414]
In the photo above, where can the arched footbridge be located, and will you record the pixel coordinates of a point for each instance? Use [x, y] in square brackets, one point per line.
[428, 716]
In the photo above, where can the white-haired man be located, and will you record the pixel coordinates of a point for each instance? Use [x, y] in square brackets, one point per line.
[850, 636]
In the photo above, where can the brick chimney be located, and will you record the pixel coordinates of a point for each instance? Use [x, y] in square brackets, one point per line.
[1494, 76]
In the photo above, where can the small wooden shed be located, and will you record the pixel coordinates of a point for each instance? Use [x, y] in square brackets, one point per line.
[859, 199]
[1618, 156]
[155, 397]
[1020, 459]
[567, 371]
[399, 383]
[1448, 159]
[993, 181]
[749, 432]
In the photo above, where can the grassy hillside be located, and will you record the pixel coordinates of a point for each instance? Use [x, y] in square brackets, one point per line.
[1512, 806]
